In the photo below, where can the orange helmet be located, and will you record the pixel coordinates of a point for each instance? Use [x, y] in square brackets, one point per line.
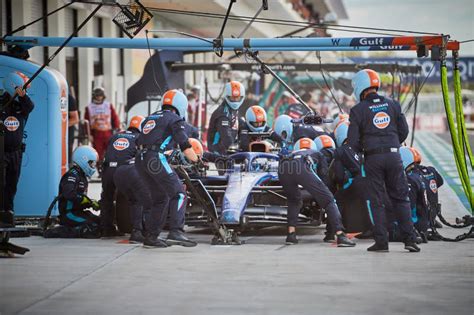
[304, 143]
[136, 122]
[197, 146]
[324, 141]
[416, 155]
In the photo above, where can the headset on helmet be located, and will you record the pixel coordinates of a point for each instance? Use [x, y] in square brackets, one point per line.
[304, 143]
[256, 118]
[363, 80]
[323, 142]
[196, 146]
[340, 133]
[136, 122]
[177, 100]
[236, 90]
[86, 158]
[284, 127]
[13, 80]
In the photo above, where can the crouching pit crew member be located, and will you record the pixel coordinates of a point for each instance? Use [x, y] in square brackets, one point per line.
[300, 168]
[157, 131]
[73, 199]
[377, 127]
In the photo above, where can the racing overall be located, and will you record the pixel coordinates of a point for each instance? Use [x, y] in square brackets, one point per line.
[304, 168]
[103, 120]
[14, 119]
[377, 127]
[245, 139]
[72, 190]
[157, 131]
[191, 132]
[347, 181]
[128, 182]
[223, 129]
[432, 180]
[306, 131]
[121, 148]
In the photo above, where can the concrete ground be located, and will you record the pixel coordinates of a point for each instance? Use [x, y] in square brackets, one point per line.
[64, 276]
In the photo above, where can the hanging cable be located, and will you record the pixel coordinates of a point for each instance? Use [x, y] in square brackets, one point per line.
[318, 55]
[180, 33]
[37, 20]
[410, 104]
[44, 65]
[152, 64]
[288, 22]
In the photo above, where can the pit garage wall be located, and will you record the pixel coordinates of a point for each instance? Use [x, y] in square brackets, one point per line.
[45, 159]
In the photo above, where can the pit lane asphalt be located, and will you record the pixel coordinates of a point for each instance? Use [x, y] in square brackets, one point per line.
[66, 276]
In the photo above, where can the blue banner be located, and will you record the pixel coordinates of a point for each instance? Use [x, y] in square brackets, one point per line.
[466, 66]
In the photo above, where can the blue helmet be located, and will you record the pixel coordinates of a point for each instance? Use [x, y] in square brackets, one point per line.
[363, 80]
[324, 141]
[340, 133]
[236, 90]
[13, 80]
[284, 127]
[86, 158]
[407, 155]
[177, 100]
[304, 144]
[256, 118]
[339, 118]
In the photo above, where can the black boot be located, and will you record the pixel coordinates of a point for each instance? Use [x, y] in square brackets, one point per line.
[136, 237]
[152, 241]
[6, 219]
[291, 239]
[329, 237]
[378, 248]
[177, 237]
[412, 247]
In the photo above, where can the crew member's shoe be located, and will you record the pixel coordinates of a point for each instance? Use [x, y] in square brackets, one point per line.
[378, 248]
[152, 241]
[329, 238]
[179, 238]
[424, 237]
[136, 237]
[433, 236]
[291, 239]
[343, 241]
[412, 247]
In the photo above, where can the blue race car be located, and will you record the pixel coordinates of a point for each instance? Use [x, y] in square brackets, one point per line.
[248, 194]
